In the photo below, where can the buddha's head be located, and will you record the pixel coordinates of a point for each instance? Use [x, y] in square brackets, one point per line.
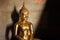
[24, 13]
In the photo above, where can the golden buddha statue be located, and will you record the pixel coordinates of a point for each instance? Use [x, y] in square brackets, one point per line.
[23, 29]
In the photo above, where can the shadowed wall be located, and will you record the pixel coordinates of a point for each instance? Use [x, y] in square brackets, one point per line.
[35, 8]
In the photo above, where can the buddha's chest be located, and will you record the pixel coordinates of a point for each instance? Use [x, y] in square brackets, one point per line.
[25, 27]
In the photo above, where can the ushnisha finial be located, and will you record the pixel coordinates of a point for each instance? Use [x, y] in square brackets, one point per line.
[23, 4]
[23, 10]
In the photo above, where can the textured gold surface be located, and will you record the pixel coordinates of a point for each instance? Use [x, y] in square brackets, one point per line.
[23, 26]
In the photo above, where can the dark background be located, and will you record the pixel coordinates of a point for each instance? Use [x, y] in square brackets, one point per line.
[49, 27]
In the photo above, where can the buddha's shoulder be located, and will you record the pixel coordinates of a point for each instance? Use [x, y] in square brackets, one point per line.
[29, 23]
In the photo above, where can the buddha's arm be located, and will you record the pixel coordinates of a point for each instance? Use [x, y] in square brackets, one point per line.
[31, 28]
[31, 31]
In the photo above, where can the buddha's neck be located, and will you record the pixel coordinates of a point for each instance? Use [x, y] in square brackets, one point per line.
[24, 21]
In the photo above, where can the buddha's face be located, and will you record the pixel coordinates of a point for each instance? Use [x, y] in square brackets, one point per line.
[24, 16]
